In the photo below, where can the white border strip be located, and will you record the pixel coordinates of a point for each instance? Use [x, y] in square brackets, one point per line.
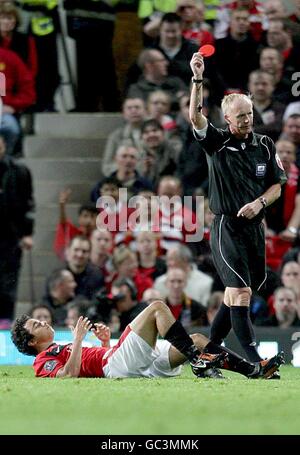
[220, 227]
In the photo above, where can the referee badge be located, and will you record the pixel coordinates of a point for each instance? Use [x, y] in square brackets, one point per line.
[261, 169]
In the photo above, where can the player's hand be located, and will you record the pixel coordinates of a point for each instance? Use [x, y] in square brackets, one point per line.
[197, 65]
[250, 210]
[102, 332]
[82, 327]
[64, 195]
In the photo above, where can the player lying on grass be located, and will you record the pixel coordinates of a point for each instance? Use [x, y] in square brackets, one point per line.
[136, 353]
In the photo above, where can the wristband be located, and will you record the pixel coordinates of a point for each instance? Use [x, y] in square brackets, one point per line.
[292, 229]
[197, 81]
[263, 201]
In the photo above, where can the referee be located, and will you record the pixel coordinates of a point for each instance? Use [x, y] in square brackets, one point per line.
[245, 176]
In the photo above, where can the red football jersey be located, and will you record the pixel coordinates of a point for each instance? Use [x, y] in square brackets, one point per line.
[48, 362]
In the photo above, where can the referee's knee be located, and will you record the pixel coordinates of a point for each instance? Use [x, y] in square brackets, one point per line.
[240, 296]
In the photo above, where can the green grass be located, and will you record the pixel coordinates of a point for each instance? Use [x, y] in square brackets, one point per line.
[183, 405]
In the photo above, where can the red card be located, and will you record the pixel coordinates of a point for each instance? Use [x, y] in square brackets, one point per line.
[207, 50]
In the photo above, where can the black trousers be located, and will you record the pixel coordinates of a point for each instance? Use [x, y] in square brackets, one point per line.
[10, 261]
[97, 84]
[48, 77]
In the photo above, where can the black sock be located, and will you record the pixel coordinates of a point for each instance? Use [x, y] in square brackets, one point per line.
[221, 324]
[242, 326]
[234, 361]
[179, 338]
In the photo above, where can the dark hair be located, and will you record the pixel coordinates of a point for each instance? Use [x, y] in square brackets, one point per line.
[111, 181]
[41, 305]
[171, 17]
[129, 283]
[88, 208]
[21, 337]
[153, 123]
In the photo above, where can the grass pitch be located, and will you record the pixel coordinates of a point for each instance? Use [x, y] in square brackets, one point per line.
[179, 406]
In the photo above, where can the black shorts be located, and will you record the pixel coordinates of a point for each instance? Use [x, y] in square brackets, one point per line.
[238, 249]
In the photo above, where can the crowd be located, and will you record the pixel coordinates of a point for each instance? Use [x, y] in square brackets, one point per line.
[129, 247]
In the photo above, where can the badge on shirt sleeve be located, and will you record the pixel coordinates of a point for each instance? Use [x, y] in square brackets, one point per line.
[261, 169]
[50, 365]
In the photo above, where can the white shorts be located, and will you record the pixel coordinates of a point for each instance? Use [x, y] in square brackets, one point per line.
[133, 357]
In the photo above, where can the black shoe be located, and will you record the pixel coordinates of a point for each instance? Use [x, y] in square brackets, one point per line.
[212, 373]
[207, 361]
[266, 368]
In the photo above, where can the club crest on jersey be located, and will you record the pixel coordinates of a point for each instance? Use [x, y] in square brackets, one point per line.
[261, 169]
[50, 365]
[278, 161]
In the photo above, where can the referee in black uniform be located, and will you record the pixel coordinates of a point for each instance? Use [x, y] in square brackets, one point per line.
[245, 176]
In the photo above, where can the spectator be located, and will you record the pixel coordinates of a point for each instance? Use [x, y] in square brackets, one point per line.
[134, 113]
[21, 43]
[150, 265]
[88, 278]
[255, 10]
[238, 48]
[16, 228]
[193, 26]
[60, 290]
[159, 108]
[159, 156]
[126, 264]
[279, 36]
[283, 217]
[154, 66]
[177, 223]
[267, 112]
[19, 95]
[90, 23]
[291, 132]
[128, 304]
[198, 285]
[41, 21]
[290, 277]
[189, 312]
[285, 306]
[66, 230]
[177, 50]
[126, 173]
[271, 61]
[76, 308]
[42, 313]
[102, 247]
[273, 9]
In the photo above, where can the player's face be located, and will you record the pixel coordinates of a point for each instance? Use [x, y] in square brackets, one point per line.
[240, 118]
[41, 330]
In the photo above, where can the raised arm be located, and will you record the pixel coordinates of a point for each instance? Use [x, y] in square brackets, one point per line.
[63, 199]
[197, 118]
[73, 365]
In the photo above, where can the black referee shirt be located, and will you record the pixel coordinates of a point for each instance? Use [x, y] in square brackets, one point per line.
[240, 170]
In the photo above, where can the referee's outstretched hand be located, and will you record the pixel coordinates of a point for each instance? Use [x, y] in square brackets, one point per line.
[250, 210]
[197, 65]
